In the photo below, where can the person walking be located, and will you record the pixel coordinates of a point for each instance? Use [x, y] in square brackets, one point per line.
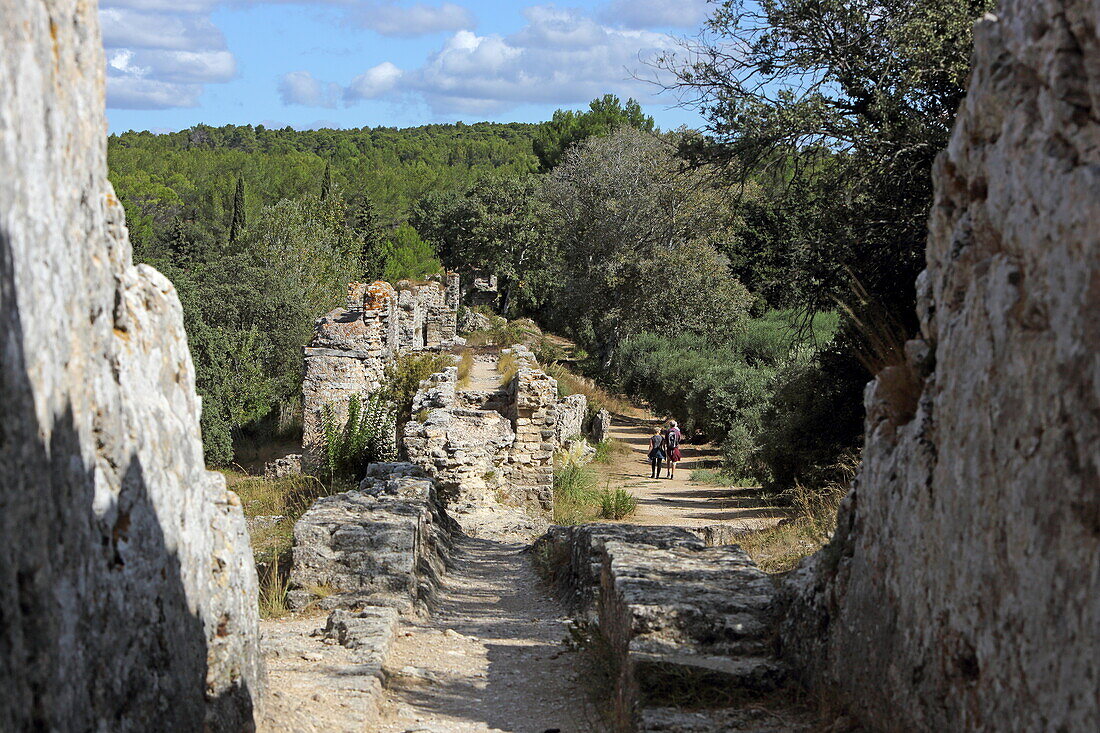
[656, 452]
[673, 438]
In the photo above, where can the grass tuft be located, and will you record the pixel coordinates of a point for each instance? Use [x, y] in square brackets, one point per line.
[718, 477]
[576, 496]
[617, 504]
[465, 368]
[508, 366]
[606, 450]
[780, 548]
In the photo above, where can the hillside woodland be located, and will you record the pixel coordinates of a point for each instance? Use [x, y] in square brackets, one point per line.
[747, 278]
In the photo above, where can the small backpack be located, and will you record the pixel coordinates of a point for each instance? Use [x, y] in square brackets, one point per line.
[672, 440]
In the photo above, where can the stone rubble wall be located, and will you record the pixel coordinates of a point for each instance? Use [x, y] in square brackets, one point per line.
[386, 544]
[497, 454]
[601, 426]
[689, 627]
[962, 588]
[351, 346]
[128, 594]
[571, 413]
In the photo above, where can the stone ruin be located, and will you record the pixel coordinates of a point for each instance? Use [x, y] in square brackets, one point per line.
[128, 594]
[493, 450]
[351, 346]
[483, 291]
[962, 588]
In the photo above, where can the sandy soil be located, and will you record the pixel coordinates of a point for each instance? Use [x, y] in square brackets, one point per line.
[490, 658]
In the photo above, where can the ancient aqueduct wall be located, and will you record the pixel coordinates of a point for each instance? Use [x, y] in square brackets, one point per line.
[351, 346]
[127, 586]
[962, 590]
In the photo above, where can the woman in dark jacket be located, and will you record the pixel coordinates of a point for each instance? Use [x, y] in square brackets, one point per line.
[656, 452]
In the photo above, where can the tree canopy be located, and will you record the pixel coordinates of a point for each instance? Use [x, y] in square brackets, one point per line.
[567, 128]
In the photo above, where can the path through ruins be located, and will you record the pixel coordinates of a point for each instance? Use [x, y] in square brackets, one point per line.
[490, 658]
[678, 501]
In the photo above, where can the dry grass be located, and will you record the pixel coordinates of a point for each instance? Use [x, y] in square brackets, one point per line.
[274, 580]
[598, 398]
[465, 368]
[780, 549]
[289, 497]
[882, 352]
[507, 365]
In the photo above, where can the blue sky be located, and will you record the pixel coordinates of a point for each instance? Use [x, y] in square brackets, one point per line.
[354, 63]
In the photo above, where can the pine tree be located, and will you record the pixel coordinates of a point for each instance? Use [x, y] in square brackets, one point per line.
[326, 182]
[237, 224]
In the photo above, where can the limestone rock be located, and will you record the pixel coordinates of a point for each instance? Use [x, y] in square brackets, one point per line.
[684, 624]
[601, 426]
[127, 587]
[285, 466]
[473, 321]
[384, 545]
[571, 412]
[962, 584]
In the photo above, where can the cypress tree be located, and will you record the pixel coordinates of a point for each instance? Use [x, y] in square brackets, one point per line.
[236, 226]
[326, 182]
[368, 230]
[178, 245]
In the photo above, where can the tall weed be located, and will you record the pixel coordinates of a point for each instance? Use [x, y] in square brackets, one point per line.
[368, 435]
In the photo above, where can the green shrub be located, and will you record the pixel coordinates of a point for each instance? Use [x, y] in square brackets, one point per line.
[617, 504]
[747, 396]
[367, 436]
[813, 418]
[402, 377]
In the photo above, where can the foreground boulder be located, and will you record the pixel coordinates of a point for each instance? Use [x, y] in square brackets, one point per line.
[962, 590]
[127, 589]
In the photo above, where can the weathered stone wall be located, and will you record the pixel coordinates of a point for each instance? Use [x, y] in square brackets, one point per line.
[127, 589]
[962, 589]
[351, 346]
[489, 449]
[386, 544]
[685, 625]
[571, 414]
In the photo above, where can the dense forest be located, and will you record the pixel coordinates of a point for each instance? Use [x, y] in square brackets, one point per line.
[748, 278]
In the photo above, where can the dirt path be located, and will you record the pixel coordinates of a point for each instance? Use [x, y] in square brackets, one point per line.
[679, 501]
[491, 656]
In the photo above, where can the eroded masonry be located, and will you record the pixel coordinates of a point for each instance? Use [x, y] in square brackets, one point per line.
[351, 346]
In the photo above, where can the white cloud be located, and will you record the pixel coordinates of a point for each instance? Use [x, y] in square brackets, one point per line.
[374, 82]
[123, 61]
[561, 57]
[127, 28]
[159, 53]
[391, 19]
[654, 13]
[300, 87]
[128, 92]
